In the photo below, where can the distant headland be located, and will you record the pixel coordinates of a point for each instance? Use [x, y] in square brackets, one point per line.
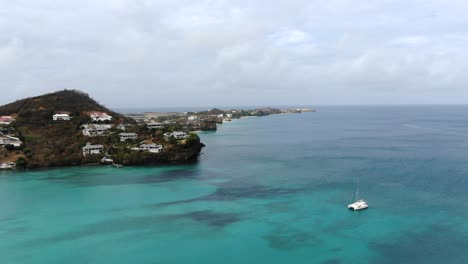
[69, 128]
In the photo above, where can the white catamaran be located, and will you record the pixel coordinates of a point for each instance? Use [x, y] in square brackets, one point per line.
[358, 204]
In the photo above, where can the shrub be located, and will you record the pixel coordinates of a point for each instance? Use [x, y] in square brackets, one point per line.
[21, 162]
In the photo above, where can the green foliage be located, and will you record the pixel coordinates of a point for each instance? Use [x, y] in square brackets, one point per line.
[172, 140]
[50, 143]
[143, 129]
[21, 163]
[192, 140]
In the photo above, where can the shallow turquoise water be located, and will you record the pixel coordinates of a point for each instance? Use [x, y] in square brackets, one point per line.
[266, 190]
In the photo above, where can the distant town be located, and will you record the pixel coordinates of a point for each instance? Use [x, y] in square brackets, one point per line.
[205, 120]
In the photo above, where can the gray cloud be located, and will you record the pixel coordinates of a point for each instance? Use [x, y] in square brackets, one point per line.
[172, 53]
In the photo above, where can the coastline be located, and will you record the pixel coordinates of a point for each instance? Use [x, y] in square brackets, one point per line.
[75, 130]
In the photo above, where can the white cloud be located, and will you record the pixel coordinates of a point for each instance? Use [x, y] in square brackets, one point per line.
[289, 37]
[411, 41]
[236, 52]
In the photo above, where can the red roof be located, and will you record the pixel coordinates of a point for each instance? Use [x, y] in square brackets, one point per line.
[98, 114]
[5, 118]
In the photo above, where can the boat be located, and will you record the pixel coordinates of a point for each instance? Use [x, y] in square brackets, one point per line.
[358, 204]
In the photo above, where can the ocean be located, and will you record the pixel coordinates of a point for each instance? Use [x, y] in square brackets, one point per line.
[272, 189]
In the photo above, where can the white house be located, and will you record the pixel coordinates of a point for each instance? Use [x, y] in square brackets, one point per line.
[7, 140]
[106, 159]
[125, 136]
[153, 148]
[91, 149]
[229, 115]
[5, 120]
[192, 118]
[61, 117]
[154, 125]
[100, 116]
[175, 134]
[91, 130]
[7, 165]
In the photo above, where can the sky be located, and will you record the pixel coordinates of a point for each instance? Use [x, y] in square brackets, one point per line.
[151, 53]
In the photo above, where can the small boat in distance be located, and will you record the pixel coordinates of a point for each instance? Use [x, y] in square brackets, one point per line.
[358, 204]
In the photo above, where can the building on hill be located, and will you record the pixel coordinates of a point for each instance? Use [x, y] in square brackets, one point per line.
[100, 116]
[175, 134]
[64, 117]
[8, 140]
[5, 120]
[126, 136]
[106, 159]
[154, 125]
[91, 149]
[7, 165]
[192, 118]
[153, 148]
[91, 130]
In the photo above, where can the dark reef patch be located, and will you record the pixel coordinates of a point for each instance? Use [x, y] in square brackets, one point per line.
[290, 239]
[436, 244]
[256, 191]
[127, 179]
[147, 224]
[336, 249]
[227, 193]
[211, 218]
[100, 228]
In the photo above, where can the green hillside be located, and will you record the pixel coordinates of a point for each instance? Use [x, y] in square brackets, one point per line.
[48, 143]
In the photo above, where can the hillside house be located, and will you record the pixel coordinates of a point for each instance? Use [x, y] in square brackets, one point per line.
[100, 116]
[7, 165]
[176, 134]
[192, 118]
[106, 159]
[5, 120]
[153, 148]
[154, 125]
[92, 130]
[64, 117]
[91, 149]
[127, 136]
[8, 140]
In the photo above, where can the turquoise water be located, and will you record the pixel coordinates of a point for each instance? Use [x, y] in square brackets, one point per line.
[266, 190]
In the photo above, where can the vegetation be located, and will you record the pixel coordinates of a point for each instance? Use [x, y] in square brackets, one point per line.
[48, 143]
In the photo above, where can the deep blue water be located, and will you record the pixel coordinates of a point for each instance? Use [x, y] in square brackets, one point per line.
[266, 190]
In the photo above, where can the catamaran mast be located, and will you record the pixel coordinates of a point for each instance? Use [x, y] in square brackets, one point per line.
[357, 188]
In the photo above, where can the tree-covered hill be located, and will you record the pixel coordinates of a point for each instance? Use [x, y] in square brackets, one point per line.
[49, 143]
[41, 108]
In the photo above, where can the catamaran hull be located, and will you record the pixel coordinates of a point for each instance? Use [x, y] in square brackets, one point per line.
[359, 205]
[357, 209]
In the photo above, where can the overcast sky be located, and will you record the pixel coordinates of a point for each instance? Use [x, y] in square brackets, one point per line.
[130, 53]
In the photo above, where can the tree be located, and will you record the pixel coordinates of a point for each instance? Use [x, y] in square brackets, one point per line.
[21, 162]
[192, 140]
